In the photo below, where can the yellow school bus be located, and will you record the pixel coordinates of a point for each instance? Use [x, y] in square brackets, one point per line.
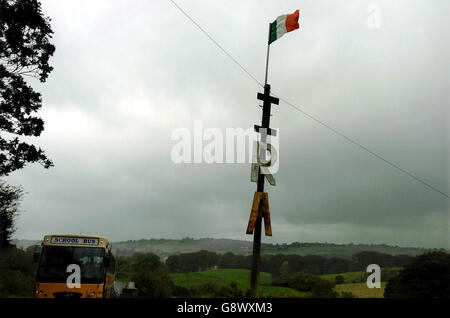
[93, 257]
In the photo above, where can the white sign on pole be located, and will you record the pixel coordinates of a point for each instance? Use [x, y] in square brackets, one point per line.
[263, 166]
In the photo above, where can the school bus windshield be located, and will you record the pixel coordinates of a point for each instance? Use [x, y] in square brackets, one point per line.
[55, 259]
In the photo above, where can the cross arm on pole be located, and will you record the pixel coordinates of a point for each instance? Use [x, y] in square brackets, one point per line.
[268, 98]
[269, 131]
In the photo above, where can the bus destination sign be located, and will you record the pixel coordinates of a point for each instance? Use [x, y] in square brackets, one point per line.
[74, 240]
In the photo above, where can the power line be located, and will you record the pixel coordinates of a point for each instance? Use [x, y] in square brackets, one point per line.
[364, 148]
[217, 44]
[308, 115]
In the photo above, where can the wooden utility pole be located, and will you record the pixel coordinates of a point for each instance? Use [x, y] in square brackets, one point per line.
[260, 169]
[260, 207]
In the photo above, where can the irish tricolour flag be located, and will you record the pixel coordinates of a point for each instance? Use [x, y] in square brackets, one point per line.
[283, 24]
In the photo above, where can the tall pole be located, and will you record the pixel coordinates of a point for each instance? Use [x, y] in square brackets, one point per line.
[267, 58]
[260, 188]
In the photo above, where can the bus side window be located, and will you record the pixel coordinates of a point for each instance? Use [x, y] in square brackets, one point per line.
[112, 264]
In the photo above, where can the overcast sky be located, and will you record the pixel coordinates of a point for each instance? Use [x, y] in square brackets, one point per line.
[126, 74]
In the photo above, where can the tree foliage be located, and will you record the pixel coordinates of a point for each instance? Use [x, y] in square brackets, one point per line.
[339, 279]
[17, 273]
[10, 198]
[25, 49]
[301, 281]
[209, 290]
[192, 262]
[427, 276]
[149, 274]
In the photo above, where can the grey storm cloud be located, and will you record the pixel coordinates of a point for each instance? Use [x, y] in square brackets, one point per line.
[126, 75]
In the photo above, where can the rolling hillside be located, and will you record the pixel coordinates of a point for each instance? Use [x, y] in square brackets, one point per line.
[166, 247]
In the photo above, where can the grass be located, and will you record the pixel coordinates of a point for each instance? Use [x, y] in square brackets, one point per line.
[355, 282]
[223, 277]
[361, 290]
[241, 277]
[349, 277]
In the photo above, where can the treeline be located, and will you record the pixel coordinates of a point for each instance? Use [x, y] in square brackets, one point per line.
[17, 272]
[194, 262]
[282, 264]
[310, 283]
[149, 274]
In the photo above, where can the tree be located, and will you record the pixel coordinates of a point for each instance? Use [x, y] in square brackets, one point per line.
[17, 273]
[149, 274]
[10, 198]
[426, 276]
[25, 49]
[363, 259]
[153, 284]
[302, 281]
[192, 262]
[230, 291]
[284, 270]
[174, 264]
[323, 289]
[347, 294]
[226, 260]
[339, 279]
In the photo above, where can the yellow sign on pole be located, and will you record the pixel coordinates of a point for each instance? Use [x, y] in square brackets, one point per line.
[260, 208]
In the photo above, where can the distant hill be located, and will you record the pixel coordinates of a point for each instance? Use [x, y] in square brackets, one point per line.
[165, 247]
[23, 244]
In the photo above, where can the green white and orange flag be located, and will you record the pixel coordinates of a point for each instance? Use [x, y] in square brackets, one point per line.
[283, 24]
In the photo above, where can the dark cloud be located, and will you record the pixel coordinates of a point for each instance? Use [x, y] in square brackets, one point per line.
[125, 77]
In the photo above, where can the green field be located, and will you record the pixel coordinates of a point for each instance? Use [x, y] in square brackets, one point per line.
[361, 290]
[241, 277]
[349, 277]
[355, 282]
